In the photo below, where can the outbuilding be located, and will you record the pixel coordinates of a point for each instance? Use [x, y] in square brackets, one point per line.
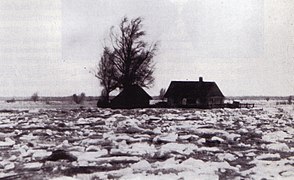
[131, 97]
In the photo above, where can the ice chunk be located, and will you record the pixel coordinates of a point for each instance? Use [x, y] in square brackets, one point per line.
[214, 138]
[289, 174]
[40, 154]
[226, 156]
[141, 166]
[9, 166]
[7, 143]
[49, 132]
[36, 110]
[231, 136]
[251, 154]
[134, 149]
[7, 175]
[157, 130]
[33, 166]
[212, 149]
[269, 169]
[64, 178]
[268, 156]
[12, 158]
[170, 137]
[188, 137]
[278, 147]
[82, 121]
[201, 141]
[83, 163]
[90, 156]
[185, 149]
[28, 137]
[276, 136]
[142, 149]
[93, 148]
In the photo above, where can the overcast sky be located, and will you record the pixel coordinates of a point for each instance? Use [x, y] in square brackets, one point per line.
[245, 46]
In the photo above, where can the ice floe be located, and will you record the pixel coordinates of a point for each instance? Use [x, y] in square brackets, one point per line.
[148, 143]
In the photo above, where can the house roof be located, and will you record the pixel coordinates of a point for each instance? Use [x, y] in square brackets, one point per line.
[131, 96]
[193, 89]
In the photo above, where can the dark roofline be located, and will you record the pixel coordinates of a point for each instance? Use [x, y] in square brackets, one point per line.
[191, 82]
[132, 87]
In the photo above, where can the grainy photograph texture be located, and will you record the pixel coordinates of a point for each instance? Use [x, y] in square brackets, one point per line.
[146, 89]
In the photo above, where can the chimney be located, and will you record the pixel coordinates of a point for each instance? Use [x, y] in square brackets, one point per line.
[200, 79]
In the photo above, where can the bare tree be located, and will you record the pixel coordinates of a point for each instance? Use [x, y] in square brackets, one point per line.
[107, 74]
[132, 55]
[103, 101]
[127, 61]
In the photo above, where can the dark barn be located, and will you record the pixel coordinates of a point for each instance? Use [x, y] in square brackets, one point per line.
[131, 97]
[199, 94]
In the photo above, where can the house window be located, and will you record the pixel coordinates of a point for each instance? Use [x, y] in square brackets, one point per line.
[184, 101]
[197, 101]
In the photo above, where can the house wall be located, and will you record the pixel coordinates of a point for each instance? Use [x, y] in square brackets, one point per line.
[172, 102]
[130, 103]
[215, 102]
[186, 101]
[205, 102]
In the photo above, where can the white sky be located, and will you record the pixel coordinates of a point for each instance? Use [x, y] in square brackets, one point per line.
[246, 46]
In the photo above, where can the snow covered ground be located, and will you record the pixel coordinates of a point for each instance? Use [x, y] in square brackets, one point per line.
[148, 143]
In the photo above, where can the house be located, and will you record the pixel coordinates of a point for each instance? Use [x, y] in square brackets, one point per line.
[199, 94]
[131, 97]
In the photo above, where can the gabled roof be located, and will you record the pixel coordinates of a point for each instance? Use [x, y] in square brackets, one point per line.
[193, 89]
[133, 91]
[131, 97]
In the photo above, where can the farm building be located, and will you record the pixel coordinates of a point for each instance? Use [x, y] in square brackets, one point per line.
[131, 97]
[198, 94]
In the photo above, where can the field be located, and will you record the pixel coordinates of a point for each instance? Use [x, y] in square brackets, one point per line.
[59, 140]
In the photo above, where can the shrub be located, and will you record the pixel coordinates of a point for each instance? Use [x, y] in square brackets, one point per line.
[79, 98]
[35, 97]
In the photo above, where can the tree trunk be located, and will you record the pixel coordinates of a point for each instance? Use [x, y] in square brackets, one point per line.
[107, 97]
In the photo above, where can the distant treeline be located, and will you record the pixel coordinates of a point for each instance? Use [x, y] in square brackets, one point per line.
[44, 98]
[282, 98]
[68, 98]
[95, 98]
